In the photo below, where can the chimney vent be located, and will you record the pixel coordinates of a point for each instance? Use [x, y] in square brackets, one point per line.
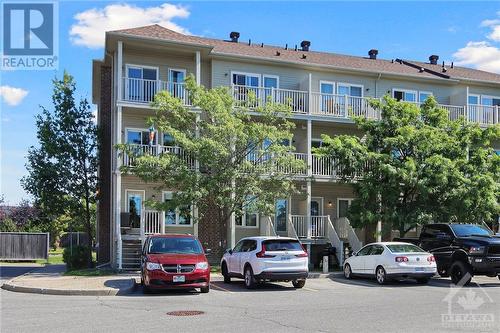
[234, 35]
[373, 53]
[433, 59]
[305, 44]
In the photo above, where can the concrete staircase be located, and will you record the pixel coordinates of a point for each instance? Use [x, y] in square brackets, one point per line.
[131, 255]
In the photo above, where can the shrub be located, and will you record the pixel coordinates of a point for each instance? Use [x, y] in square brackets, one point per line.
[76, 257]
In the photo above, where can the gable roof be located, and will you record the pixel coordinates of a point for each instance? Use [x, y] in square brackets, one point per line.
[312, 58]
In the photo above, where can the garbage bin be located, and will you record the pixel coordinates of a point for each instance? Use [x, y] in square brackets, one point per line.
[330, 252]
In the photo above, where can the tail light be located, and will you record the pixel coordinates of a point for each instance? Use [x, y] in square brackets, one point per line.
[262, 253]
[431, 259]
[401, 259]
[302, 255]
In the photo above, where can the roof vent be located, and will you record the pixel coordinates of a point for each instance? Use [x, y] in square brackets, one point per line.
[234, 35]
[433, 59]
[305, 44]
[373, 53]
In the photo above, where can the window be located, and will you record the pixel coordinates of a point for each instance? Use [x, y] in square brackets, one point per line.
[246, 79]
[281, 214]
[238, 246]
[327, 90]
[423, 95]
[405, 95]
[141, 83]
[271, 81]
[376, 250]
[139, 137]
[168, 140]
[176, 79]
[364, 251]
[248, 245]
[465, 230]
[489, 100]
[249, 218]
[350, 90]
[343, 206]
[473, 99]
[185, 245]
[177, 216]
[282, 245]
[404, 248]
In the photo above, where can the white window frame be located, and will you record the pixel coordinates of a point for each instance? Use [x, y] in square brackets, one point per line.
[127, 66]
[406, 91]
[264, 76]
[177, 214]
[258, 76]
[127, 208]
[135, 129]
[474, 95]
[424, 92]
[328, 82]
[487, 96]
[344, 84]
[349, 202]
[162, 140]
[243, 222]
[177, 70]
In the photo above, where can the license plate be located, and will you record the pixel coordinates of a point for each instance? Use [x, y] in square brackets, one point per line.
[179, 278]
[419, 269]
[285, 258]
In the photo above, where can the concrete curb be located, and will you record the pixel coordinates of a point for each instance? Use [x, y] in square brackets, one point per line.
[10, 286]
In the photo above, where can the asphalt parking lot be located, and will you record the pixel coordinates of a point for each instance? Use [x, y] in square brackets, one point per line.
[323, 305]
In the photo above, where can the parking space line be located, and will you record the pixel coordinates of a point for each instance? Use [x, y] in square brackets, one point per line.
[309, 289]
[213, 285]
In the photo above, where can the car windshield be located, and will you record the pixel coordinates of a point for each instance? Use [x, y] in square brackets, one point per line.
[182, 245]
[404, 248]
[282, 245]
[464, 230]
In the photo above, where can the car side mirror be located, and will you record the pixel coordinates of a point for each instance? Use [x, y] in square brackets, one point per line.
[354, 254]
[229, 251]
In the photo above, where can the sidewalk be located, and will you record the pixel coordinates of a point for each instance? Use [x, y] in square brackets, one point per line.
[50, 280]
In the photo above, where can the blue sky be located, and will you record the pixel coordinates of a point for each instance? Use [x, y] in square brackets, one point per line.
[464, 32]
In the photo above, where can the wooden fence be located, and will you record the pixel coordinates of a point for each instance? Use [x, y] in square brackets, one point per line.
[24, 245]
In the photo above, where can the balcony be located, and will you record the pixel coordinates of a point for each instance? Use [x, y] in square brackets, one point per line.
[135, 150]
[144, 91]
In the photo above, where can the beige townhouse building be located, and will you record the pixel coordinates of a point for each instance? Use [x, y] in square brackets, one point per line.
[324, 91]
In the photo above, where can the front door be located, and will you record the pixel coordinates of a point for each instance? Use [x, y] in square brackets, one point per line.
[281, 215]
[316, 220]
[135, 202]
[343, 207]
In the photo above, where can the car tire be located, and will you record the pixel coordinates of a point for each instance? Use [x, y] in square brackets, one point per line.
[297, 284]
[380, 275]
[347, 271]
[205, 290]
[249, 278]
[423, 280]
[225, 273]
[499, 277]
[460, 272]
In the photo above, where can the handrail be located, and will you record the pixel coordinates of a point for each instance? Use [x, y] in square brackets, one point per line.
[334, 239]
[348, 232]
[291, 228]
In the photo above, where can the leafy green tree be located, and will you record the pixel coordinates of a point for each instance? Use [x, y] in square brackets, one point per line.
[62, 170]
[417, 166]
[243, 154]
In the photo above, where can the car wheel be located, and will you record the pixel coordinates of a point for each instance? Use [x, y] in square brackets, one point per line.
[225, 273]
[499, 277]
[380, 275]
[461, 273]
[298, 283]
[423, 280]
[249, 278]
[205, 290]
[347, 271]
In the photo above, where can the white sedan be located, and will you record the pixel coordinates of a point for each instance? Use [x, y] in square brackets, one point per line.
[387, 260]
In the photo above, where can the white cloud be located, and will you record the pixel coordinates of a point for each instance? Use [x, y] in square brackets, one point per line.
[93, 23]
[11, 95]
[484, 55]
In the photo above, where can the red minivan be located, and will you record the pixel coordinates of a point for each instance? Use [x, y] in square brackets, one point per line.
[174, 261]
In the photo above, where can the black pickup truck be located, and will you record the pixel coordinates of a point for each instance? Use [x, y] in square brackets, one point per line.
[461, 250]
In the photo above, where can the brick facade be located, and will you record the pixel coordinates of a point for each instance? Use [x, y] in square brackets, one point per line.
[105, 192]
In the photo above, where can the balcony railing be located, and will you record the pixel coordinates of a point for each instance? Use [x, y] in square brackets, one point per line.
[144, 91]
[310, 227]
[271, 164]
[154, 150]
[259, 96]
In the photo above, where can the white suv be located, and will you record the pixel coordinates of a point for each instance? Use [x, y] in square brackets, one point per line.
[259, 259]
